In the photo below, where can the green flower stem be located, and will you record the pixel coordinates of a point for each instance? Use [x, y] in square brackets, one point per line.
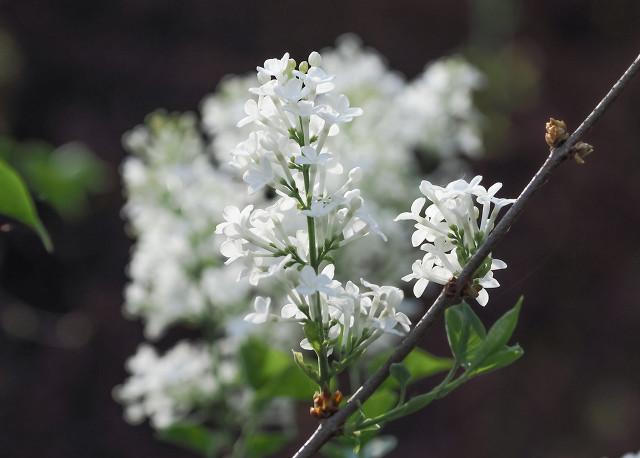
[418, 402]
[323, 359]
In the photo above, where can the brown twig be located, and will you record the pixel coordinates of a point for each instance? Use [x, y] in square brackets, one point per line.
[332, 425]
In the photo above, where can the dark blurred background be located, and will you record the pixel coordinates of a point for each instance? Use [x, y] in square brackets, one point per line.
[90, 70]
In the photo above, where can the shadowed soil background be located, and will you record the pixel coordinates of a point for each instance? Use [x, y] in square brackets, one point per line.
[92, 70]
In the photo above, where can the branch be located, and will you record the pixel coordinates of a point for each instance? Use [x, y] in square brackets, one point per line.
[451, 293]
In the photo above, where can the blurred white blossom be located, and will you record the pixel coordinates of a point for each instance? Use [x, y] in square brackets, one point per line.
[167, 388]
[175, 198]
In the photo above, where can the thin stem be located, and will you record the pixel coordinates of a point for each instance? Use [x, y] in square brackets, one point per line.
[323, 359]
[332, 425]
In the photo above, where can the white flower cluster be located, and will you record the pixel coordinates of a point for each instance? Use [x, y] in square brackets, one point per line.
[317, 209]
[177, 187]
[437, 108]
[434, 112]
[175, 199]
[450, 230]
[167, 388]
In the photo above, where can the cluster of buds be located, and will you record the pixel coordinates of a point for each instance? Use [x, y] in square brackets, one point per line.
[581, 150]
[325, 404]
[556, 132]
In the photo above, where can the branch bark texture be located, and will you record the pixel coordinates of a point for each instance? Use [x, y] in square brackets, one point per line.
[451, 294]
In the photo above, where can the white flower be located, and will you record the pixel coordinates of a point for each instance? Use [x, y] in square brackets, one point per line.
[167, 388]
[452, 233]
[311, 282]
[262, 306]
[274, 67]
[259, 176]
[310, 156]
[317, 80]
[335, 109]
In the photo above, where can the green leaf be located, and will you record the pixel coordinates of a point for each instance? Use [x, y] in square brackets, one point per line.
[422, 364]
[290, 383]
[313, 333]
[465, 332]
[414, 404]
[65, 177]
[400, 373]
[380, 402]
[195, 438]
[500, 359]
[16, 203]
[261, 363]
[498, 335]
[308, 369]
[264, 444]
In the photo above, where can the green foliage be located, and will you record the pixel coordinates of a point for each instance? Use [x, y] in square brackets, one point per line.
[419, 363]
[499, 359]
[380, 402]
[306, 368]
[498, 336]
[272, 373]
[465, 332]
[261, 363]
[290, 383]
[196, 438]
[16, 203]
[473, 347]
[476, 351]
[422, 364]
[63, 177]
[313, 333]
[400, 372]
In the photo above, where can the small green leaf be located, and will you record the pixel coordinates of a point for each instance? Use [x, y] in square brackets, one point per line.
[290, 383]
[264, 444]
[380, 402]
[261, 363]
[465, 332]
[400, 373]
[414, 404]
[194, 437]
[313, 334]
[308, 369]
[500, 359]
[422, 364]
[498, 335]
[16, 203]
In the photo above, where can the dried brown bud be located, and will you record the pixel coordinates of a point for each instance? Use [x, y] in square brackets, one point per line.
[581, 150]
[556, 132]
[325, 404]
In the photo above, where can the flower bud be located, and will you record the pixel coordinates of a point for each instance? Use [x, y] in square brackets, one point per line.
[291, 66]
[556, 132]
[304, 66]
[355, 174]
[354, 200]
[325, 404]
[315, 59]
[581, 150]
